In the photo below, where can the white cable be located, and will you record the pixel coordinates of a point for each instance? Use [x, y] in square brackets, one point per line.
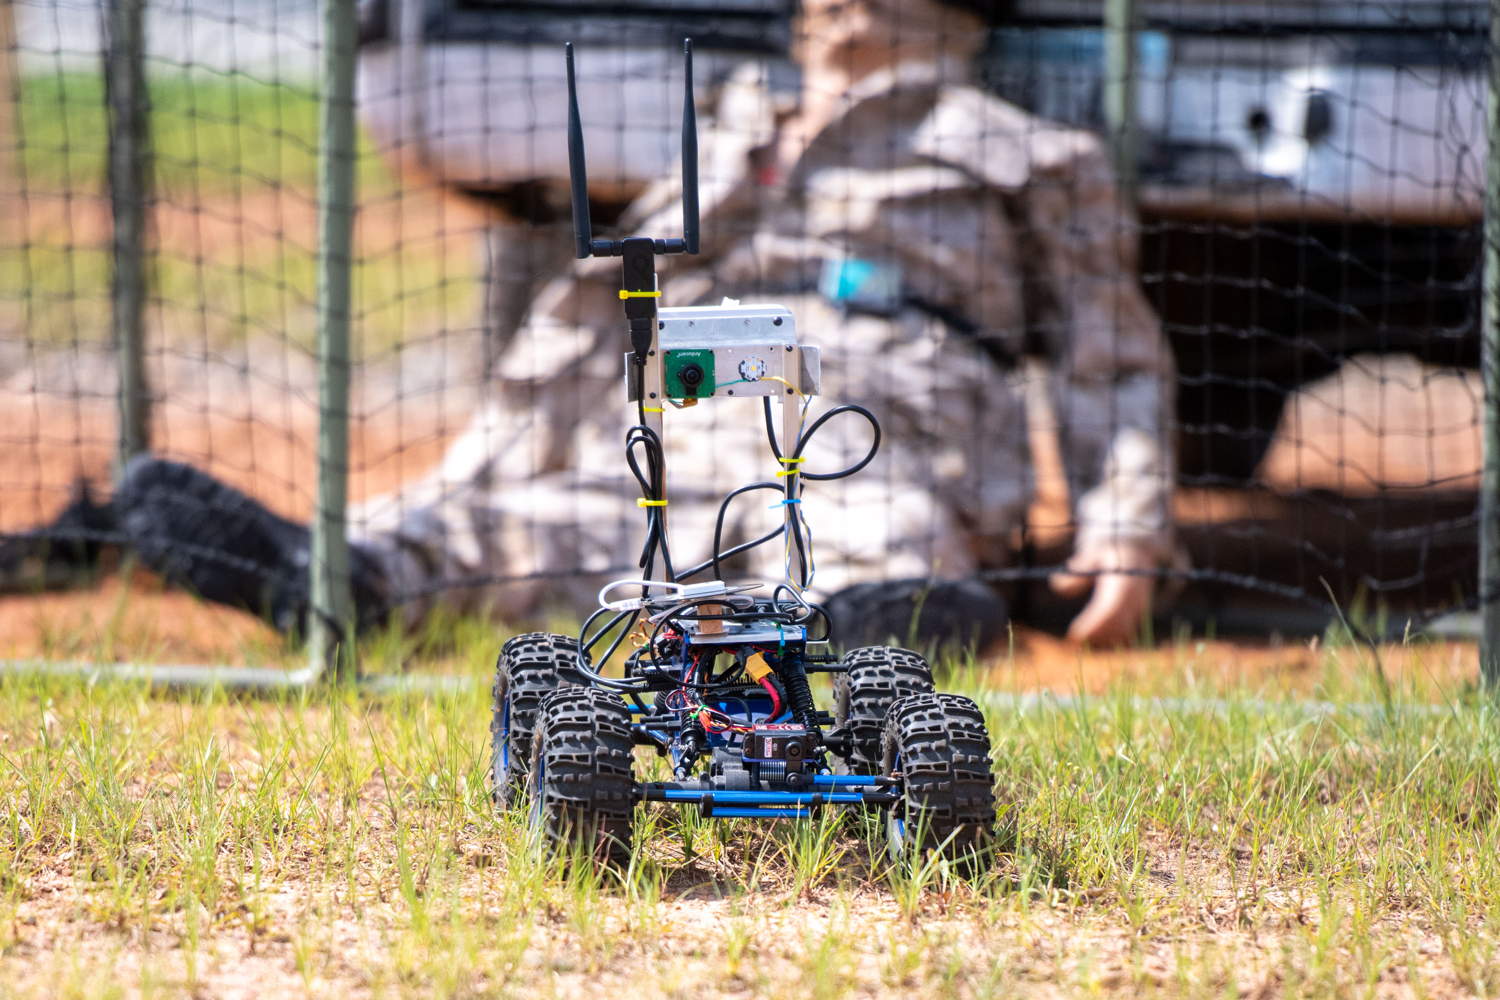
[690, 591]
[632, 603]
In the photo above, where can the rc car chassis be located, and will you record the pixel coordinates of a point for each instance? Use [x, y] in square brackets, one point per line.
[717, 677]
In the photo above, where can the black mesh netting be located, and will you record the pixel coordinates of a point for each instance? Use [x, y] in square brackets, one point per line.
[1250, 375]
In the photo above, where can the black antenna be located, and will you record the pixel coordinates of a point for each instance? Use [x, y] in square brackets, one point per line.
[689, 155]
[584, 244]
[583, 227]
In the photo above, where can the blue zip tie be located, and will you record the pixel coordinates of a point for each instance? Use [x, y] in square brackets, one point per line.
[783, 503]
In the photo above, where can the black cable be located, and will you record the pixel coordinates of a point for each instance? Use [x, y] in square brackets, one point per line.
[798, 538]
[586, 644]
[811, 429]
[805, 607]
[798, 542]
[719, 556]
[799, 535]
[730, 553]
[645, 458]
[652, 481]
[820, 612]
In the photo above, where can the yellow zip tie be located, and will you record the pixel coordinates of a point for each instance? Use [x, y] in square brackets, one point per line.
[643, 502]
[640, 295]
[786, 472]
[789, 461]
[652, 409]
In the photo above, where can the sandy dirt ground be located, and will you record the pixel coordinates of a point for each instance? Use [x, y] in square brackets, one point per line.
[361, 872]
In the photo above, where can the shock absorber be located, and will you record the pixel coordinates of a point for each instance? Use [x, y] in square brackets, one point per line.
[691, 742]
[798, 693]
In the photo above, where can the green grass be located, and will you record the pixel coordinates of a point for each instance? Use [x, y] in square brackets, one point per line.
[221, 143]
[210, 134]
[342, 845]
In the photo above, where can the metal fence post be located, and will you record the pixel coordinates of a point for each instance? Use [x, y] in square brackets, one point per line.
[1489, 496]
[1120, 17]
[129, 194]
[9, 92]
[331, 623]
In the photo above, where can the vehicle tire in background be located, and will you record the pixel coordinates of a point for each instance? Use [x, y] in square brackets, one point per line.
[874, 678]
[530, 667]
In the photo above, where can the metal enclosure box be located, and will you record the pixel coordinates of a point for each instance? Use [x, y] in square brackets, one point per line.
[738, 350]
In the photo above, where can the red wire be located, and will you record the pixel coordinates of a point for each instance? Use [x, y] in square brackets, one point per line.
[765, 682]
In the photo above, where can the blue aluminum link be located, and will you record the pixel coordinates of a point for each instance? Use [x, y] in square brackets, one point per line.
[762, 798]
[774, 812]
[860, 780]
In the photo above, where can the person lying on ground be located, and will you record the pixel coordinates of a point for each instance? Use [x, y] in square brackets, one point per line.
[928, 237]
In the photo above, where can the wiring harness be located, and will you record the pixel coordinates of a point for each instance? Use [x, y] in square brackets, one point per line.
[666, 614]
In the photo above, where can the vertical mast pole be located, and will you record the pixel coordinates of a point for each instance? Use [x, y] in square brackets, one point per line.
[1489, 494]
[331, 624]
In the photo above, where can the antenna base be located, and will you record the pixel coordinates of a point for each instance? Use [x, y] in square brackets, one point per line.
[616, 248]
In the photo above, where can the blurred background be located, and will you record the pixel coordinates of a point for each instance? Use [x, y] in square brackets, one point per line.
[1307, 178]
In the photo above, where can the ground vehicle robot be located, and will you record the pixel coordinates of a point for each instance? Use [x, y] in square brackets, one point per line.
[718, 680]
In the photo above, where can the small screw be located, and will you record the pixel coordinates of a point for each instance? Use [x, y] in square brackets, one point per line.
[776, 321]
[653, 395]
[790, 390]
[730, 391]
[652, 354]
[789, 347]
[661, 324]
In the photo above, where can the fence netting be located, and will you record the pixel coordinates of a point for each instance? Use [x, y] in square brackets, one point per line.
[1241, 364]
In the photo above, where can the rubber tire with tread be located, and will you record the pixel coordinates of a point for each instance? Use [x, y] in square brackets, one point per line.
[875, 678]
[583, 790]
[530, 667]
[939, 745]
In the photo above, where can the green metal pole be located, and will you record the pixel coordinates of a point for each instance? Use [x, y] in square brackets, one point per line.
[129, 194]
[1120, 23]
[331, 622]
[1489, 497]
[10, 88]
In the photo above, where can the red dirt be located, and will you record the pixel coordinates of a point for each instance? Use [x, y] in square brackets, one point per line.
[134, 620]
[423, 219]
[1041, 662]
[46, 445]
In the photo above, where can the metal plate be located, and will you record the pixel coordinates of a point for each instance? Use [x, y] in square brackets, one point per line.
[730, 637]
[741, 335]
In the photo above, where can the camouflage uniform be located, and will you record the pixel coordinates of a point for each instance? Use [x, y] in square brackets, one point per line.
[1009, 240]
